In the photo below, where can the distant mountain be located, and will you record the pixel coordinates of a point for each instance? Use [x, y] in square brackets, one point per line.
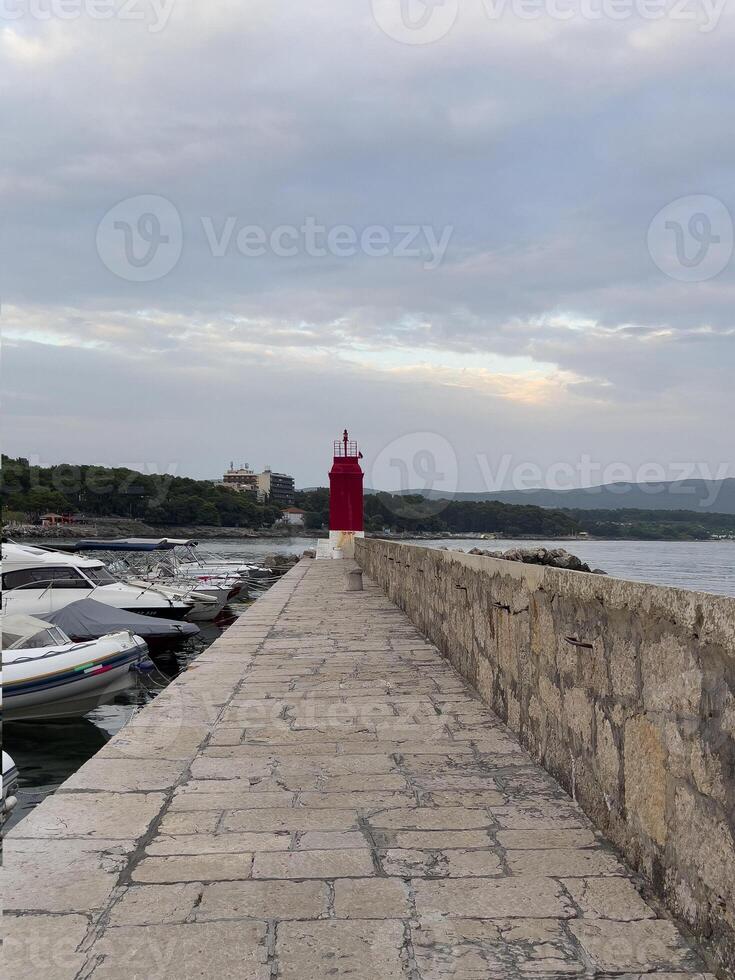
[702, 496]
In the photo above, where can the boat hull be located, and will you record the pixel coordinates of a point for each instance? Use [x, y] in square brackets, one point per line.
[176, 612]
[71, 681]
[206, 612]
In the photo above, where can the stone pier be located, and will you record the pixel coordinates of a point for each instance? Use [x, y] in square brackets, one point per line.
[320, 796]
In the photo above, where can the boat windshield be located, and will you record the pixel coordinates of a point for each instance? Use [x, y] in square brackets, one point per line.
[48, 637]
[99, 575]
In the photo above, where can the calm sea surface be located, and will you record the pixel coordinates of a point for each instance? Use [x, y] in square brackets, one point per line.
[47, 753]
[705, 566]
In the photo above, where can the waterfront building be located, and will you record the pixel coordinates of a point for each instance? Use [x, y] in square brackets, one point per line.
[53, 520]
[294, 516]
[275, 488]
[242, 479]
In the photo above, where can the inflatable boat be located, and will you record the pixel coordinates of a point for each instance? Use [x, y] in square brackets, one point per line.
[9, 788]
[46, 675]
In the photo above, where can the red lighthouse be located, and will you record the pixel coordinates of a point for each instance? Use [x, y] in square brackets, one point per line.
[345, 498]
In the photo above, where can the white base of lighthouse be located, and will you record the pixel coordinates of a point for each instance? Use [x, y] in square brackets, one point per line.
[340, 544]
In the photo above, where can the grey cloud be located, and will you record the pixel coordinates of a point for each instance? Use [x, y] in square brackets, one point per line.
[549, 149]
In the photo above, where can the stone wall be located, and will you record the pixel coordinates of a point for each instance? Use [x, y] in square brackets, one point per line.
[624, 691]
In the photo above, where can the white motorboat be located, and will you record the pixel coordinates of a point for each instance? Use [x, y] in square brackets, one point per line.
[45, 675]
[38, 581]
[202, 579]
[192, 562]
[153, 563]
[184, 557]
[9, 788]
[207, 602]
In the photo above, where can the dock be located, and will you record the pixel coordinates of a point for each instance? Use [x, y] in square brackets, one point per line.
[321, 795]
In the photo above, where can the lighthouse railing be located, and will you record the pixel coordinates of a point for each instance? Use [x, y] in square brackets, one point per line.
[345, 449]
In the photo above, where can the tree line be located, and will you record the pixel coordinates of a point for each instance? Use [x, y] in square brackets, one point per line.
[97, 491]
[415, 514]
[29, 491]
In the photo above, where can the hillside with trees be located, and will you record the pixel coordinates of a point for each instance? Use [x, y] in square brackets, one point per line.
[417, 515]
[162, 500]
[97, 491]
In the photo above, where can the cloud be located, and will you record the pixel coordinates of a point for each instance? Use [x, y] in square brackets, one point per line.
[547, 147]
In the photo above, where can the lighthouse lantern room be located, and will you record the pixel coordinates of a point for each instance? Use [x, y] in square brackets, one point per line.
[345, 501]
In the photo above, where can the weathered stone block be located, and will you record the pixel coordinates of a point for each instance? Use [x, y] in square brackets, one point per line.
[672, 678]
[563, 862]
[704, 845]
[197, 949]
[264, 900]
[107, 816]
[371, 898]
[578, 711]
[45, 947]
[489, 899]
[205, 867]
[61, 875]
[407, 863]
[338, 863]
[359, 949]
[608, 898]
[144, 905]
[645, 778]
[640, 946]
[607, 755]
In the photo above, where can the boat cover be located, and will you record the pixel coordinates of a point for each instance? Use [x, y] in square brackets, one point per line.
[88, 619]
[125, 544]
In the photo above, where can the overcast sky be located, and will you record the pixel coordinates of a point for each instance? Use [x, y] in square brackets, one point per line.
[477, 236]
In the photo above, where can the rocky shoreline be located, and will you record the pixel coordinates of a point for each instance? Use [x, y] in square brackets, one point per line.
[122, 528]
[555, 557]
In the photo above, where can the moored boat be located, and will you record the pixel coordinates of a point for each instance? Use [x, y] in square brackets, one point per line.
[46, 675]
[9, 788]
[89, 620]
[39, 581]
[154, 563]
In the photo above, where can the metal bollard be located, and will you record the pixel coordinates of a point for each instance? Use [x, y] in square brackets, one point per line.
[354, 580]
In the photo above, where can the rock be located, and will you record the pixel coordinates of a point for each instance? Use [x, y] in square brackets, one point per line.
[555, 557]
[279, 563]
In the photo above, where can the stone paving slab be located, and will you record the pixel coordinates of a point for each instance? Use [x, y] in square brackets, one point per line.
[320, 795]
